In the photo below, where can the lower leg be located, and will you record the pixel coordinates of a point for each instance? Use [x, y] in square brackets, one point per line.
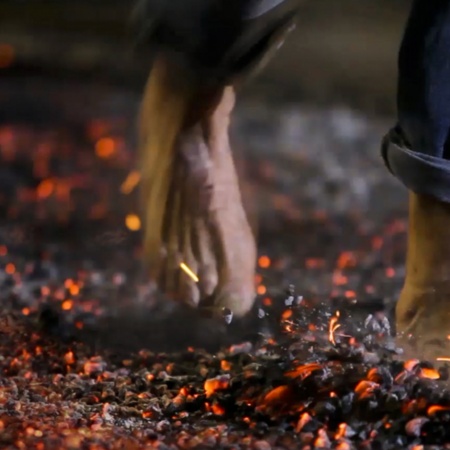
[417, 151]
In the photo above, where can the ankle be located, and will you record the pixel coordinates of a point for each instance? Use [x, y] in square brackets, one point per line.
[428, 259]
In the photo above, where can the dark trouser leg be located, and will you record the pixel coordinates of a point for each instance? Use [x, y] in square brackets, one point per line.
[417, 152]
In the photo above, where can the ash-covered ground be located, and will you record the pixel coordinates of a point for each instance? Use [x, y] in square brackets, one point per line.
[82, 332]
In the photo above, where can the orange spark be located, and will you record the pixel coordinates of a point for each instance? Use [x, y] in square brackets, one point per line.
[333, 326]
[10, 268]
[105, 148]
[132, 180]
[45, 189]
[264, 262]
[133, 222]
[188, 271]
[261, 290]
[433, 409]
[67, 305]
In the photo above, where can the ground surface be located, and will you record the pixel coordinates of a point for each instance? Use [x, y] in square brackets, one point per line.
[82, 332]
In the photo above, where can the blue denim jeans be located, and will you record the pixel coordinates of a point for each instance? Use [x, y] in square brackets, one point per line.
[417, 149]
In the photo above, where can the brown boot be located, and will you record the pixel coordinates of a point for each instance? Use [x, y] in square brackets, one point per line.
[423, 310]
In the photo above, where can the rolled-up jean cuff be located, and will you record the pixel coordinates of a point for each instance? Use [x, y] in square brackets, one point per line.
[419, 172]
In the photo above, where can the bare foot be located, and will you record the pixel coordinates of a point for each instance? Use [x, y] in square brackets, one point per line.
[198, 239]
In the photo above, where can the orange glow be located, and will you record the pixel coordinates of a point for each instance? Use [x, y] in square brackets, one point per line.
[225, 365]
[304, 419]
[343, 446]
[436, 408]
[304, 371]
[261, 290]
[130, 182]
[280, 394]
[214, 384]
[69, 358]
[10, 268]
[45, 189]
[431, 374]
[267, 301]
[26, 311]
[7, 55]
[410, 364]
[264, 262]
[67, 305]
[322, 440]
[443, 359]
[217, 410]
[74, 289]
[133, 222]
[286, 314]
[341, 431]
[346, 260]
[3, 250]
[105, 148]
[365, 387]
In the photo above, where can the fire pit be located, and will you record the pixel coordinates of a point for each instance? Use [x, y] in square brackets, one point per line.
[92, 357]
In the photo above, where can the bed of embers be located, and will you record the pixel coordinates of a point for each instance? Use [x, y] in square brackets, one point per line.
[92, 357]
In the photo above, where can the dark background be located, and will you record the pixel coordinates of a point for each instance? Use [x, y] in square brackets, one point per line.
[342, 51]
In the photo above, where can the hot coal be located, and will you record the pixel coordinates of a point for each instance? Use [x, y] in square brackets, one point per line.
[92, 356]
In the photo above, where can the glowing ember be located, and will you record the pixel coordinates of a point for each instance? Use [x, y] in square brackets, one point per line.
[215, 384]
